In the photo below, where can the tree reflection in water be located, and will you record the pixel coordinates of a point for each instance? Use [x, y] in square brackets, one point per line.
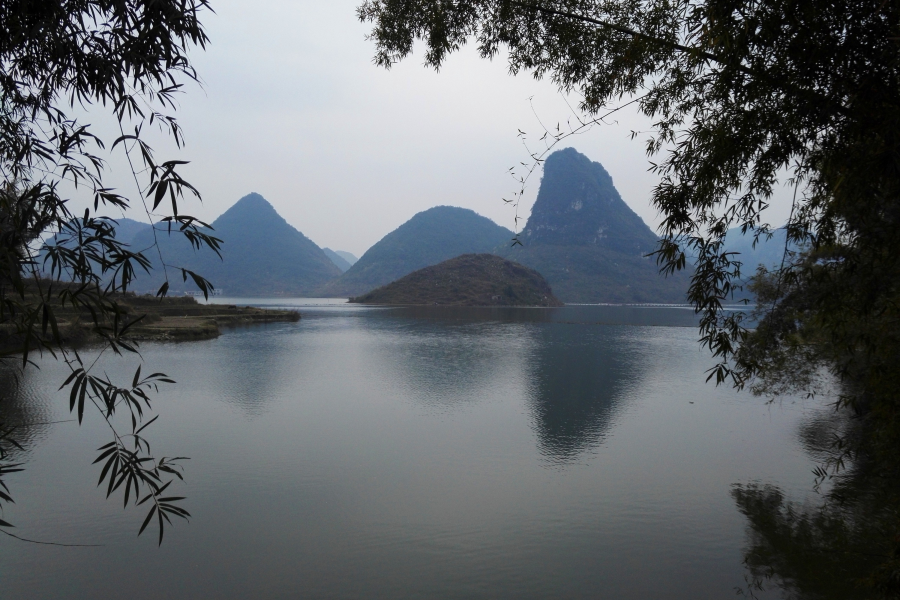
[843, 547]
[23, 420]
[24, 413]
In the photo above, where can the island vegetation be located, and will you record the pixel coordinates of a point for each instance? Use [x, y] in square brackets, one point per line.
[467, 280]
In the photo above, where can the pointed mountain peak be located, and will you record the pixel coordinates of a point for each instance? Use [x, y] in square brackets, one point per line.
[250, 210]
[578, 205]
[262, 254]
[251, 202]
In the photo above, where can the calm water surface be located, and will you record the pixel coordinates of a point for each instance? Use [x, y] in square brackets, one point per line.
[415, 453]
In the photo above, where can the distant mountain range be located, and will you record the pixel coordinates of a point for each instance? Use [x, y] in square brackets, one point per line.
[343, 260]
[350, 258]
[128, 229]
[261, 255]
[125, 231]
[340, 262]
[768, 252]
[467, 280]
[581, 237]
[430, 237]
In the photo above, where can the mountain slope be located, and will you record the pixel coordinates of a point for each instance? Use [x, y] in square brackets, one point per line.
[430, 237]
[590, 275]
[350, 258]
[589, 245]
[467, 280]
[127, 229]
[261, 255]
[339, 261]
[768, 252]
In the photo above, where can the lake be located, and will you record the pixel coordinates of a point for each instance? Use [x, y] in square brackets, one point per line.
[370, 452]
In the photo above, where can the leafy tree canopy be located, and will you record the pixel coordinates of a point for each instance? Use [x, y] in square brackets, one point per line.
[60, 58]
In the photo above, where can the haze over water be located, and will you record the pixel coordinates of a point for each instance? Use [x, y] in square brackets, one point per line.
[417, 453]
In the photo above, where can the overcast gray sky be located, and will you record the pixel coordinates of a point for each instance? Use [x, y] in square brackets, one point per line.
[292, 107]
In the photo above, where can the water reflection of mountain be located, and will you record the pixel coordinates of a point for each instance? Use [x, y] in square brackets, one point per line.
[579, 374]
[248, 366]
[448, 364]
[576, 373]
[669, 316]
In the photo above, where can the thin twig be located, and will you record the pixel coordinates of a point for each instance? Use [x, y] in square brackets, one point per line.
[12, 535]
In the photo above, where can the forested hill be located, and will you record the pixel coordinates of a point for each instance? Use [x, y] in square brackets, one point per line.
[589, 245]
[428, 238]
[262, 255]
[467, 280]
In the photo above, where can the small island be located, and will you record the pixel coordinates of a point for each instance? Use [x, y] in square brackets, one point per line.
[173, 318]
[185, 319]
[467, 280]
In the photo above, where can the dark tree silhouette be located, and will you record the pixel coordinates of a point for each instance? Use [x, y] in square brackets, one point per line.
[58, 59]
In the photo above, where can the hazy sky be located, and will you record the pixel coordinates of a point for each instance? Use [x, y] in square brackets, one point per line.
[292, 107]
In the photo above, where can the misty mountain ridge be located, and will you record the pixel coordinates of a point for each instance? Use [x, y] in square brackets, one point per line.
[428, 238]
[262, 254]
[348, 256]
[581, 237]
[340, 262]
[127, 229]
[768, 252]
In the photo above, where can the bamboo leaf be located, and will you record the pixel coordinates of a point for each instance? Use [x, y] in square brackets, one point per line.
[150, 514]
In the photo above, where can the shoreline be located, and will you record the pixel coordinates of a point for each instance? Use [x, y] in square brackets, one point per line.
[163, 320]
